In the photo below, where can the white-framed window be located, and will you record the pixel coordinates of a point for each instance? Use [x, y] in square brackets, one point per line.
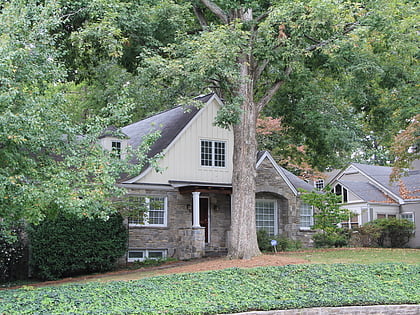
[385, 216]
[266, 215]
[339, 190]
[213, 153]
[148, 211]
[319, 184]
[142, 254]
[351, 223]
[116, 148]
[306, 216]
[408, 216]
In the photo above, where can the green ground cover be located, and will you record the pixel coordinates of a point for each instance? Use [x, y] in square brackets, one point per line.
[227, 291]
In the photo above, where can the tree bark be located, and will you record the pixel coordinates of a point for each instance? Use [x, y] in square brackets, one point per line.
[243, 236]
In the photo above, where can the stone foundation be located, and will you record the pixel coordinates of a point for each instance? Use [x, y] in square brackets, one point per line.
[190, 243]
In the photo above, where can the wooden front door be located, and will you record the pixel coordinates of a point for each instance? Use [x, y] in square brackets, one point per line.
[205, 217]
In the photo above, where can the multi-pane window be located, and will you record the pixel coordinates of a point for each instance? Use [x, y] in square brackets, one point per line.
[385, 216]
[142, 254]
[319, 184]
[266, 215]
[213, 153]
[116, 148]
[148, 211]
[408, 216]
[306, 216]
[351, 223]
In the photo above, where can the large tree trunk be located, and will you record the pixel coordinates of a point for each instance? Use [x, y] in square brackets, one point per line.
[243, 236]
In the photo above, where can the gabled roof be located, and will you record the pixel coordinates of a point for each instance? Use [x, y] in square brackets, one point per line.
[169, 123]
[366, 191]
[379, 177]
[291, 180]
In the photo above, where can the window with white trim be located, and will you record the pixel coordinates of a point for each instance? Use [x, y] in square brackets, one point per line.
[142, 254]
[339, 190]
[116, 148]
[319, 184]
[408, 216]
[385, 216]
[306, 216]
[148, 211]
[213, 153]
[351, 223]
[266, 215]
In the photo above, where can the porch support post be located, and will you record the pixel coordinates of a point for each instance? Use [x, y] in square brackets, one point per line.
[196, 209]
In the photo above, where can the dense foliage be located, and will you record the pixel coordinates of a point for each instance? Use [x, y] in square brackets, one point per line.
[337, 238]
[283, 243]
[228, 291]
[11, 251]
[388, 232]
[66, 246]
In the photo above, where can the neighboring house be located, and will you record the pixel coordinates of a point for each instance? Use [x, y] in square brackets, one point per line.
[188, 203]
[366, 190]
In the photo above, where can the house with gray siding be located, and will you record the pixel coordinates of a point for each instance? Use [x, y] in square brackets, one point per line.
[185, 206]
[367, 191]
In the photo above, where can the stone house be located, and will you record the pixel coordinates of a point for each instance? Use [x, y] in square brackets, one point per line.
[188, 202]
[366, 190]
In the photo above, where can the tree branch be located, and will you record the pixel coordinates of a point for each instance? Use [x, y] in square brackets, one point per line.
[349, 27]
[216, 10]
[260, 69]
[200, 17]
[272, 91]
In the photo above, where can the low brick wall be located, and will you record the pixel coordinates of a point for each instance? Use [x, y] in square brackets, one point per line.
[405, 309]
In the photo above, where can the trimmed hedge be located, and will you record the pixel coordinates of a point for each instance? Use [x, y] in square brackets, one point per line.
[227, 291]
[70, 246]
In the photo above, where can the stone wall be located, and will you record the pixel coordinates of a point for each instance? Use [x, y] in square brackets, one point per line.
[179, 238]
[406, 309]
[270, 184]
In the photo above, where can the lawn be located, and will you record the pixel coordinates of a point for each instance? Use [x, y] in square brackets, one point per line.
[360, 255]
[226, 291]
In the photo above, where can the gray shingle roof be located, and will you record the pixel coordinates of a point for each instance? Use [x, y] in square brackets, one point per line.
[298, 182]
[381, 174]
[366, 191]
[170, 123]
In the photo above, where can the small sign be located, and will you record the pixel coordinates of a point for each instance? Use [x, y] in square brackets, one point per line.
[273, 243]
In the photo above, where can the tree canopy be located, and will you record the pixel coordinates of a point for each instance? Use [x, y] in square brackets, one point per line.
[341, 76]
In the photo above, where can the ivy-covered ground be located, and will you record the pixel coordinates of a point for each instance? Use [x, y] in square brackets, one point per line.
[226, 291]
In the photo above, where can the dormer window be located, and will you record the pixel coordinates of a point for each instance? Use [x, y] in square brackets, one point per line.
[341, 191]
[116, 148]
[213, 153]
[319, 184]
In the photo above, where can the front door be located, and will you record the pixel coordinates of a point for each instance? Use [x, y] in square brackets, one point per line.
[205, 217]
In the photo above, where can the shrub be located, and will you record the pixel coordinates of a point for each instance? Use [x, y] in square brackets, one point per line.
[339, 238]
[390, 232]
[283, 243]
[11, 251]
[70, 246]
[366, 236]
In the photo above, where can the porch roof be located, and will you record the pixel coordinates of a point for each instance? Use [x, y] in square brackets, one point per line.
[186, 187]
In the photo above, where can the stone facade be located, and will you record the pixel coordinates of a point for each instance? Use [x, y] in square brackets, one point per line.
[181, 240]
[271, 185]
[178, 238]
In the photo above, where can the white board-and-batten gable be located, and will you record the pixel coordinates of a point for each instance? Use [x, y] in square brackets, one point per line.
[181, 158]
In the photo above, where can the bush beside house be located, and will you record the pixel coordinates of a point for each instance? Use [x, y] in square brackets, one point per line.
[391, 232]
[70, 246]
